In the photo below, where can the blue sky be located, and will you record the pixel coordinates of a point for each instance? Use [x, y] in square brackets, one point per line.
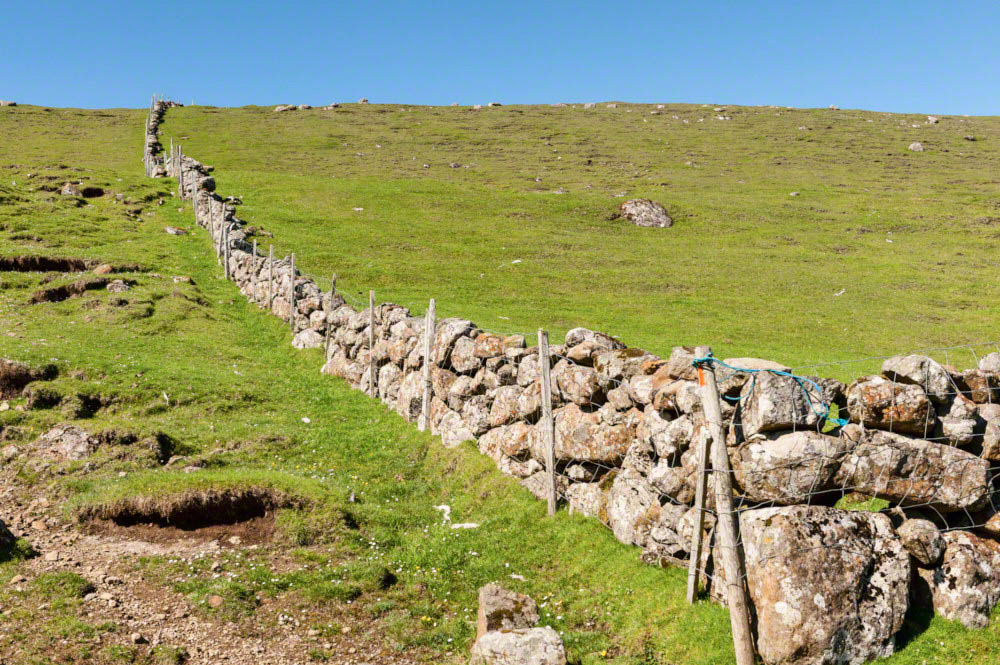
[919, 56]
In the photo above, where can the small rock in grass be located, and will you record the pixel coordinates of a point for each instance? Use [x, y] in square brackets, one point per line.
[175, 231]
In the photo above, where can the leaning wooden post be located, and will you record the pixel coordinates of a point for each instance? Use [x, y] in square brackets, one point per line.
[329, 326]
[253, 273]
[548, 429]
[225, 249]
[701, 483]
[270, 275]
[291, 297]
[371, 341]
[727, 525]
[180, 172]
[425, 403]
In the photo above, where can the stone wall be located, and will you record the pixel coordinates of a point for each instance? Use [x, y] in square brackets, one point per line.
[826, 584]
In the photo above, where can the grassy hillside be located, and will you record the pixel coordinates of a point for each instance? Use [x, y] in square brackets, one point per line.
[195, 362]
[908, 238]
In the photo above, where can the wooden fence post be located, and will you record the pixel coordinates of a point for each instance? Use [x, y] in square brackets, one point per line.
[253, 273]
[180, 172]
[291, 297]
[225, 249]
[371, 342]
[270, 275]
[329, 327]
[425, 403]
[697, 535]
[548, 428]
[727, 524]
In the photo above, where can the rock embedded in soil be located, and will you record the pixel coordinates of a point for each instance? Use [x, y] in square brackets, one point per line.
[501, 609]
[646, 213]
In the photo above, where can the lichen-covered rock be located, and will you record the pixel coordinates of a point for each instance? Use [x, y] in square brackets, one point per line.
[680, 364]
[989, 414]
[501, 609]
[453, 430]
[631, 505]
[308, 339]
[645, 212]
[677, 482]
[981, 387]
[921, 371]
[957, 422]
[582, 437]
[913, 472]
[67, 442]
[580, 335]
[588, 499]
[966, 585]
[476, 414]
[922, 540]
[526, 646]
[774, 402]
[875, 401]
[787, 467]
[616, 367]
[577, 384]
[410, 396]
[447, 332]
[990, 363]
[679, 396]
[664, 543]
[731, 382]
[505, 408]
[389, 378]
[463, 356]
[829, 586]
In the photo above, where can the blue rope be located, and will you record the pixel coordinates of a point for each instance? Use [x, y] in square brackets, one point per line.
[824, 414]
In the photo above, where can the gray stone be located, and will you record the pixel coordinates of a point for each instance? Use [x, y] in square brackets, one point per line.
[829, 586]
[530, 646]
[308, 339]
[875, 401]
[966, 585]
[501, 609]
[787, 467]
[922, 540]
[67, 442]
[913, 472]
[644, 212]
[921, 371]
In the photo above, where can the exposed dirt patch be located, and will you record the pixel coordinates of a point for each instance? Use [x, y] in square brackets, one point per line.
[192, 510]
[44, 264]
[14, 376]
[254, 531]
[66, 291]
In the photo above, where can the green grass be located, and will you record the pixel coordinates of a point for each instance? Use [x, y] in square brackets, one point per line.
[745, 263]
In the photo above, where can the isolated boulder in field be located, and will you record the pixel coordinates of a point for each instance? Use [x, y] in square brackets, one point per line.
[280, 108]
[875, 401]
[828, 585]
[6, 102]
[525, 646]
[788, 467]
[921, 371]
[916, 146]
[922, 540]
[67, 442]
[501, 609]
[308, 339]
[966, 585]
[644, 212]
[913, 472]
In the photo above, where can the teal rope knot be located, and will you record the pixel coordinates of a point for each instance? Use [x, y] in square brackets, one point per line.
[710, 360]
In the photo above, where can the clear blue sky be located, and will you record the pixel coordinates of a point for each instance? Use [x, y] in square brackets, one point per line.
[917, 56]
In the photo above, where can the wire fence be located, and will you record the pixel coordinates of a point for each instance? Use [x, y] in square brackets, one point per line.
[784, 491]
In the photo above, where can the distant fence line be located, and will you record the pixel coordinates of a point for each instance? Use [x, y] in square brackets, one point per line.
[739, 469]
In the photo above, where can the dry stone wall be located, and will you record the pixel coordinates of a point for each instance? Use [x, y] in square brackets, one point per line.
[826, 584]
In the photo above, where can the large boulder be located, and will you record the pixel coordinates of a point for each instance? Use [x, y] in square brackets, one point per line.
[913, 472]
[788, 467]
[501, 609]
[966, 585]
[410, 396]
[525, 646]
[644, 212]
[447, 332]
[875, 401]
[829, 586]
